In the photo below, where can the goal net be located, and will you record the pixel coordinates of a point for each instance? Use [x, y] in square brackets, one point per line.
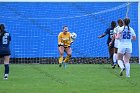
[34, 28]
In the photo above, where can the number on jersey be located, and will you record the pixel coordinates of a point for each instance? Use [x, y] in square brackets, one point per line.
[126, 35]
[5, 38]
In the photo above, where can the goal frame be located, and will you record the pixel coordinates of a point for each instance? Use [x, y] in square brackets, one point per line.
[139, 29]
[69, 1]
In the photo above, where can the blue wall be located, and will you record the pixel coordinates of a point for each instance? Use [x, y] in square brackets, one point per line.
[34, 26]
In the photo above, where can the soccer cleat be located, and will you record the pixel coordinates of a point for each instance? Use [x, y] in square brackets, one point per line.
[60, 65]
[121, 73]
[118, 66]
[113, 66]
[5, 77]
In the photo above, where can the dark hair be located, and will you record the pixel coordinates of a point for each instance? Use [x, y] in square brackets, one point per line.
[120, 21]
[113, 24]
[64, 26]
[2, 27]
[126, 22]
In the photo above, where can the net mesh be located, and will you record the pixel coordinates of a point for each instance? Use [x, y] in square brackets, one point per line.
[34, 28]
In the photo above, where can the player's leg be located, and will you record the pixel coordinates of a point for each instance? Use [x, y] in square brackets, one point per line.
[6, 65]
[115, 57]
[61, 51]
[120, 59]
[69, 52]
[111, 51]
[126, 62]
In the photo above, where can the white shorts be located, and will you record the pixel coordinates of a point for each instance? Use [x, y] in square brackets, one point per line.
[124, 50]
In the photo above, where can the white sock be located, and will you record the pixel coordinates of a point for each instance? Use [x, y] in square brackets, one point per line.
[6, 75]
[120, 63]
[127, 67]
[115, 58]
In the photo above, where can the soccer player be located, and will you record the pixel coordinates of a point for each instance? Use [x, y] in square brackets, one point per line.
[109, 32]
[125, 35]
[116, 42]
[64, 43]
[5, 39]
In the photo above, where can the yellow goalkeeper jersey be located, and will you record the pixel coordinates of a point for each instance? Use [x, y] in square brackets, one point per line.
[65, 39]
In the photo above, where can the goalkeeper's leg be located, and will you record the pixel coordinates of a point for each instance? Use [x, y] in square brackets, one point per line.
[61, 51]
[69, 52]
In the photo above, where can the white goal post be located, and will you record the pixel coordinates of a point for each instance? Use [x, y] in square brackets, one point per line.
[139, 29]
[69, 0]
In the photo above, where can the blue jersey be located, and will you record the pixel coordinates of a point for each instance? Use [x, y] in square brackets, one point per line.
[110, 32]
[5, 39]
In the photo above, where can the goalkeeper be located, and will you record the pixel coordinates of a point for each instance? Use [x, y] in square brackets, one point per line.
[64, 43]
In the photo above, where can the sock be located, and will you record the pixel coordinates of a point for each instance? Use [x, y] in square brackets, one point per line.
[115, 58]
[60, 60]
[127, 67]
[67, 58]
[6, 75]
[6, 69]
[120, 63]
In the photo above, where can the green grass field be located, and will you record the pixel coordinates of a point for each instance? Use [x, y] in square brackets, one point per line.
[78, 78]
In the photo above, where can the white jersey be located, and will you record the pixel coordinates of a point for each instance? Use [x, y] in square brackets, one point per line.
[126, 36]
[116, 43]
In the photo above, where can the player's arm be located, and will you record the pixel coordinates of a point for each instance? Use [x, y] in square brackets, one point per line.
[71, 40]
[112, 39]
[104, 34]
[118, 35]
[133, 35]
[59, 40]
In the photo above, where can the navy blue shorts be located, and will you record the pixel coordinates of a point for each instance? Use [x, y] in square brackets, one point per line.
[4, 53]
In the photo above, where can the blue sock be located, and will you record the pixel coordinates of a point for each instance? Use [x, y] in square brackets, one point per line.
[6, 68]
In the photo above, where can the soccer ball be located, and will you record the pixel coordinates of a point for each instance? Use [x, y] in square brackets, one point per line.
[73, 35]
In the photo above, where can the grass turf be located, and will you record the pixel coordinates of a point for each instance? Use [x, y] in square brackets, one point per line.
[78, 78]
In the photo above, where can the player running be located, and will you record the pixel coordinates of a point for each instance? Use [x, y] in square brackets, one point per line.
[64, 43]
[125, 34]
[5, 39]
[109, 32]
